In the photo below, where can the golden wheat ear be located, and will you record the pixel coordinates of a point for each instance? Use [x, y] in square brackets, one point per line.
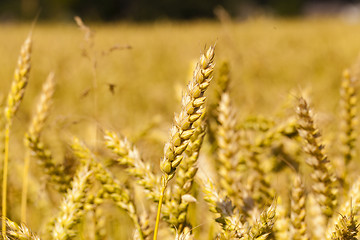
[15, 96]
[298, 210]
[15, 231]
[324, 187]
[192, 106]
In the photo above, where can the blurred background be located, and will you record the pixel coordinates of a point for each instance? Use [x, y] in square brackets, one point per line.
[144, 10]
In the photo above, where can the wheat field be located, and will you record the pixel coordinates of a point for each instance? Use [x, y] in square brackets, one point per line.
[180, 130]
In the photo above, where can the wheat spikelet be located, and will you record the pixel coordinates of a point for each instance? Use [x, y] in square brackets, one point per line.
[15, 96]
[35, 129]
[324, 182]
[72, 207]
[18, 232]
[129, 156]
[298, 210]
[192, 109]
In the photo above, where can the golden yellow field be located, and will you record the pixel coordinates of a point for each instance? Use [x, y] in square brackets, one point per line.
[130, 81]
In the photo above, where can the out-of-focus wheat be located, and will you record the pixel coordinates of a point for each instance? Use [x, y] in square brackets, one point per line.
[324, 182]
[14, 99]
[348, 113]
[35, 129]
[298, 210]
[72, 207]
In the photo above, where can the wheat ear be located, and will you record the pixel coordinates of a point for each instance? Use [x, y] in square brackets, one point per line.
[128, 155]
[192, 108]
[21, 77]
[35, 129]
[324, 182]
[346, 228]
[230, 219]
[175, 209]
[21, 232]
[298, 210]
[263, 227]
[72, 207]
[110, 187]
[228, 146]
[348, 104]
[55, 172]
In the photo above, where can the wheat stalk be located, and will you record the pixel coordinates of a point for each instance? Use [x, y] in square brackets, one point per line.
[192, 108]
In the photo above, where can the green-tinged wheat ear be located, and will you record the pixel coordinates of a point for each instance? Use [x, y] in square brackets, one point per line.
[21, 232]
[229, 217]
[15, 96]
[72, 207]
[110, 187]
[298, 210]
[128, 156]
[324, 181]
[348, 113]
[346, 228]
[192, 109]
[175, 208]
[35, 129]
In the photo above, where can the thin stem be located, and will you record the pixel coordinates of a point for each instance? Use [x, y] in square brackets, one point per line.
[163, 188]
[4, 183]
[25, 186]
